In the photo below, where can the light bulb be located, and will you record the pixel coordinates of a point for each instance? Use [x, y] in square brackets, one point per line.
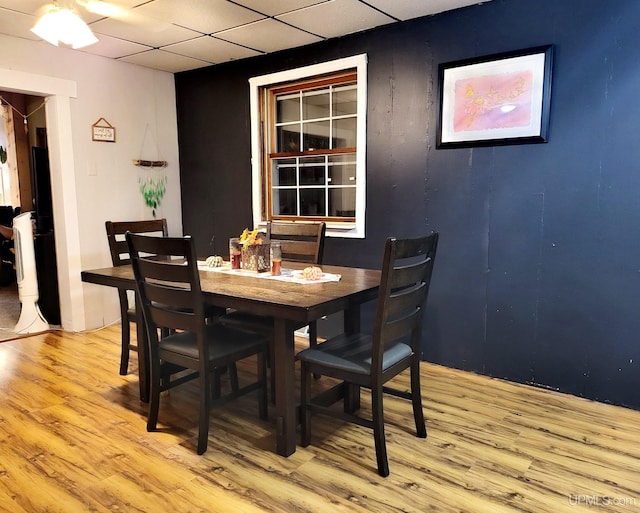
[63, 26]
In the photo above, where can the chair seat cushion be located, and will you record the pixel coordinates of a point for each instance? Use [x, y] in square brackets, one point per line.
[352, 353]
[222, 341]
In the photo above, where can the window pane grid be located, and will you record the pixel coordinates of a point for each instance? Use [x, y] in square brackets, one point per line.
[321, 198]
[321, 116]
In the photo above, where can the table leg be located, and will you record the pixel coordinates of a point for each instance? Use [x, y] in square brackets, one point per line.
[284, 368]
[352, 319]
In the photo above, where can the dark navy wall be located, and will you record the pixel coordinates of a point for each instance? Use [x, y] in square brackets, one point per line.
[537, 279]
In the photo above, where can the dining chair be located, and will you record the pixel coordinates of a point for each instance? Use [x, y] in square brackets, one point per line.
[168, 287]
[371, 360]
[120, 256]
[300, 242]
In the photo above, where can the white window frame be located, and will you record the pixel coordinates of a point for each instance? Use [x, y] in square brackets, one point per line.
[359, 62]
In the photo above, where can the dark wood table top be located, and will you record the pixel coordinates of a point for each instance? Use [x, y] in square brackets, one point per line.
[293, 301]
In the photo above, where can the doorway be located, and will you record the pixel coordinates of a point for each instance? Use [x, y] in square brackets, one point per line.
[59, 93]
[26, 187]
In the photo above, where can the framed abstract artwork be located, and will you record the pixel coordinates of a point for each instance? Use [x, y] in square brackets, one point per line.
[497, 99]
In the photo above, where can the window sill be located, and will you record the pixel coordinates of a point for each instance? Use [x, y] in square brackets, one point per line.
[343, 230]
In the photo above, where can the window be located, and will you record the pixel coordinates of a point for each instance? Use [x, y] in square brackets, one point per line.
[309, 145]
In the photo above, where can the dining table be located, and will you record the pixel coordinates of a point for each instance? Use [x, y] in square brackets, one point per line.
[291, 303]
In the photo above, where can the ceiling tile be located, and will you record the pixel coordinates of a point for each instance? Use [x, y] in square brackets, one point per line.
[165, 61]
[336, 17]
[160, 35]
[211, 49]
[93, 10]
[206, 16]
[17, 24]
[124, 4]
[25, 6]
[268, 35]
[409, 9]
[113, 47]
[274, 7]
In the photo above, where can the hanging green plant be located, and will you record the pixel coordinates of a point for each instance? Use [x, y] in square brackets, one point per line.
[153, 190]
[3, 155]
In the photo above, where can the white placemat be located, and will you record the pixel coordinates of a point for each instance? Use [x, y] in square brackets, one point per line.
[289, 275]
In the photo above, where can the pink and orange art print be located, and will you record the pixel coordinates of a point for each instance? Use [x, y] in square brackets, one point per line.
[501, 99]
[493, 101]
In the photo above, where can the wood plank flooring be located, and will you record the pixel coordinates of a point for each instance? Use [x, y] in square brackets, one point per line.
[9, 311]
[73, 439]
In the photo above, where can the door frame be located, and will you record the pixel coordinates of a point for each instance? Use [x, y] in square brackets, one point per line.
[58, 93]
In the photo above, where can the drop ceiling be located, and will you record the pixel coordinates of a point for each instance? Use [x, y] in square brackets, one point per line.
[180, 35]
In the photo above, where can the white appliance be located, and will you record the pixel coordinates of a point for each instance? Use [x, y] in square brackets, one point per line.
[31, 319]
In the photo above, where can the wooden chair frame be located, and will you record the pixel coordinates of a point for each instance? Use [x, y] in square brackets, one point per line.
[116, 231]
[370, 361]
[168, 288]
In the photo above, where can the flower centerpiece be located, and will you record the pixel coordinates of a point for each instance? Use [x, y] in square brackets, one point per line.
[255, 251]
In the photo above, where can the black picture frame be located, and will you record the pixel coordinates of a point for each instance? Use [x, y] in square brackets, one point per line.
[496, 99]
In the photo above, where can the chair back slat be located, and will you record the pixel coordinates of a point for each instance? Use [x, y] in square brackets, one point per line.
[177, 320]
[402, 301]
[397, 328]
[160, 267]
[160, 294]
[299, 251]
[415, 247]
[300, 242]
[404, 287]
[116, 231]
[407, 275]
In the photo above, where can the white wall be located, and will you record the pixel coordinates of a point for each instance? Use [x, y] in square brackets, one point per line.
[96, 181]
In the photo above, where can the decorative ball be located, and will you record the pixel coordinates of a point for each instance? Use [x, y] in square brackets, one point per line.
[312, 273]
[215, 261]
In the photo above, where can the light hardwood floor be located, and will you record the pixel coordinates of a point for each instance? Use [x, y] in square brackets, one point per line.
[73, 439]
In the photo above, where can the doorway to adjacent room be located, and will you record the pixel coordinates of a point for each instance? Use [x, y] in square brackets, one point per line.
[26, 186]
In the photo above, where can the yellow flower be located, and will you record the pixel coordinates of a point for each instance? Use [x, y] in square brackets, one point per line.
[250, 238]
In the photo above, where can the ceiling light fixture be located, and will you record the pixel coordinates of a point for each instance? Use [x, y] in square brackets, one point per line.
[64, 26]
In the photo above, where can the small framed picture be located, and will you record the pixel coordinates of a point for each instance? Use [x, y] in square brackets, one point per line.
[495, 100]
[103, 131]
